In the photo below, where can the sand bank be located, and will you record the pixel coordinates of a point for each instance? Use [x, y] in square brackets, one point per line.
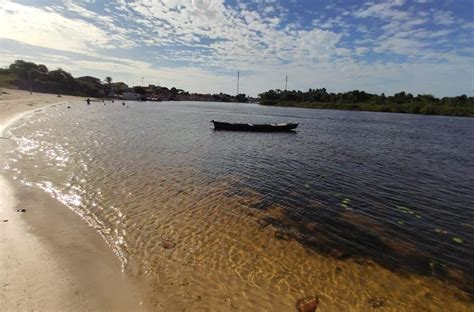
[50, 260]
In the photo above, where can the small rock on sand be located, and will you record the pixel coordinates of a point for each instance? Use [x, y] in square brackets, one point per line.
[308, 304]
[167, 244]
[376, 302]
[263, 223]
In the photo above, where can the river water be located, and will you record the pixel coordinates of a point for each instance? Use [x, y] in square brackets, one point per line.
[365, 210]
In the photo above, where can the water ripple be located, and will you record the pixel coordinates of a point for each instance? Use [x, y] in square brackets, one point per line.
[348, 199]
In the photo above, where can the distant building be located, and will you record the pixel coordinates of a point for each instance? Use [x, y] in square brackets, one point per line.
[131, 96]
[119, 87]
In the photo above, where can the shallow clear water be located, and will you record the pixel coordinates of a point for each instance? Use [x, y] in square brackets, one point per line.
[354, 207]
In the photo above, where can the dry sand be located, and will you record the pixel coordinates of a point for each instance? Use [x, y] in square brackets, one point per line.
[50, 260]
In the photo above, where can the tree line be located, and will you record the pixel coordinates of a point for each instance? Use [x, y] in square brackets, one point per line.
[37, 77]
[25, 75]
[401, 102]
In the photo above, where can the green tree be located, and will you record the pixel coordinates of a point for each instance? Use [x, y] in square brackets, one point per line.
[108, 79]
[20, 66]
[241, 98]
[42, 69]
[139, 90]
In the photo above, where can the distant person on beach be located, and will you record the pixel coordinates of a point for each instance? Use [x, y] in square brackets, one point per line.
[88, 101]
[123, 103]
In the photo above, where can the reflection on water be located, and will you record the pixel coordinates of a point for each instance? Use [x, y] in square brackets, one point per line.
[364, 210]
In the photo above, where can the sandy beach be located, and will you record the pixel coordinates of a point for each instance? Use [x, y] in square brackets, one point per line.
[50, 260]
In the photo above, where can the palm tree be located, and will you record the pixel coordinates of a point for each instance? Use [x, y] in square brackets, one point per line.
[109, 82]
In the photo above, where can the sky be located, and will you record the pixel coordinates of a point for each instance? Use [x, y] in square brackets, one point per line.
[416, 46]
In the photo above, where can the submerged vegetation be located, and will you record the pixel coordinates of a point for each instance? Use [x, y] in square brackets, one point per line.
[362, 101]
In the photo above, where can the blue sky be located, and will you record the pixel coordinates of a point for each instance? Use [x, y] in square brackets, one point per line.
[419, 46]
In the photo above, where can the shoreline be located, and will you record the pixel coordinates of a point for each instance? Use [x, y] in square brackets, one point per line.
[52, 260]
[357, 108]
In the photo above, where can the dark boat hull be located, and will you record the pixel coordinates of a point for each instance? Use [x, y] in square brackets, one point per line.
[254, 127]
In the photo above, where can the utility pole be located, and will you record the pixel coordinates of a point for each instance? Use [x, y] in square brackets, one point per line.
[29, 79]
[238, 83]
[286, 83]
[142, 81]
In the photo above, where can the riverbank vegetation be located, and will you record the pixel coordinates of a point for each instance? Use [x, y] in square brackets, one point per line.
[38, 78]
[362, 101]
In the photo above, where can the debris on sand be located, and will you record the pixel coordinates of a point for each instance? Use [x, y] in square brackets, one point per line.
[167, 244]
[376, 302]
[308, 304]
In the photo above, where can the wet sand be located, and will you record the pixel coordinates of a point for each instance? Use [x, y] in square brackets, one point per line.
[50, 260]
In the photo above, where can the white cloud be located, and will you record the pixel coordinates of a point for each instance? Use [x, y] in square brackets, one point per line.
[49, 29]
[401, 46]
[443, 18]
[361, 50]
[385, 10]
